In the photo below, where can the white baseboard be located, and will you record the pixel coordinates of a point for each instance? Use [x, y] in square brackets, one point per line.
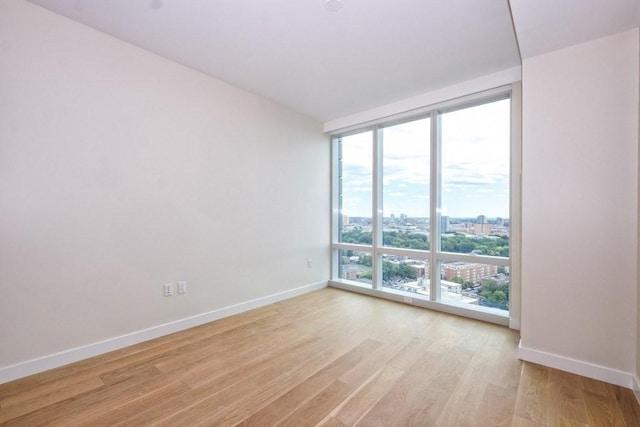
[41, 364]
[514, 323]
[586, 369]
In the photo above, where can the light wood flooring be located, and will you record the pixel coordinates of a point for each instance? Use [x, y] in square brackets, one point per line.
[329, 358]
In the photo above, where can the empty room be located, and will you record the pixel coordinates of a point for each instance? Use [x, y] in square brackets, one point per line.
[319, 212]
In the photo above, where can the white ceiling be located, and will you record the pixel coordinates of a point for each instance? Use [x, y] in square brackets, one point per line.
[369, 53]
[546, 25]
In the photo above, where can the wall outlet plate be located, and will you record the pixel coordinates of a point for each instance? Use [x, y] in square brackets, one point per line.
[182, 287]
[168, 289]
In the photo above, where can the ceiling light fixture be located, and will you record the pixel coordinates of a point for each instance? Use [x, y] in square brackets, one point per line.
[333, 5]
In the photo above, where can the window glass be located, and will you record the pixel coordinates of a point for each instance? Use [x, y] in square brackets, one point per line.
[405, 273]
[355, 188]
[355, 266]
[475, 283]
[475, 179]
[460, 255]
[405, 184]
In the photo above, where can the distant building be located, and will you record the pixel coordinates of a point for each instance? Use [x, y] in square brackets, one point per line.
[444, 224]
[448, 291]
[469, 272]
[422, 269]
[452, 287]
[350, 274]
[482, 229]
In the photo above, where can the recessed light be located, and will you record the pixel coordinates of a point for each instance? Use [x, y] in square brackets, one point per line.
[333, 5]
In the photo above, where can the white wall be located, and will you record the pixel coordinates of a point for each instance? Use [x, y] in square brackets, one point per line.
[579, 196]
[121, 171]
[636, 385]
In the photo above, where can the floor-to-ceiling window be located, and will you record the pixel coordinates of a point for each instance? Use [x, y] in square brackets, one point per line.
[423, 205]
[355, 226]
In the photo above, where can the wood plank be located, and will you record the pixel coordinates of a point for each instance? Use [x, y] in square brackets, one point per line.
[296, 375]
[238, 386]
[295, 398]
[495, 409]
[88, 405]
[518, 421]
[628, 406]
[532, 402]
[103, 363]
[331, 422]
[315, 410]
[470, 395]
[329, 358]
[602, 411]
[124, 412]
[423, 387]
[48, 394]
[365, 398]
[216, 391]
[567, 402]
[428, 403]
[288, 402]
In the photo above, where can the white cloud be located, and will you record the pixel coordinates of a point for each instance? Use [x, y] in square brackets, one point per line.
[474, 159]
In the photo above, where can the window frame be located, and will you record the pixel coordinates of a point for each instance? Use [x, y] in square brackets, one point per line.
[433, 255]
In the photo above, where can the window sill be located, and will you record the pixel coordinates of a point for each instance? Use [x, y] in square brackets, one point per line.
[485, 314]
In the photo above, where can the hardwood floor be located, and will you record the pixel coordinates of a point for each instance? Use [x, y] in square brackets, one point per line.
[330, 358]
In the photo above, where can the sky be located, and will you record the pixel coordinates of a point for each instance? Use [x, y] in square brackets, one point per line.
[474, 158]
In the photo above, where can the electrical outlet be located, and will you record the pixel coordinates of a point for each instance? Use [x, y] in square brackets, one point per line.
[309, 263]
[168, 289]
[182, 287]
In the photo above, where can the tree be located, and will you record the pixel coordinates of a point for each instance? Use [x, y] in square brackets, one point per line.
[387, 270]
[499, 297]
[365, 260]
[457, 279]
[494, 246]
[404, 239]
[489, 284]
[497, 294]
[356, 236]
[406, 271]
